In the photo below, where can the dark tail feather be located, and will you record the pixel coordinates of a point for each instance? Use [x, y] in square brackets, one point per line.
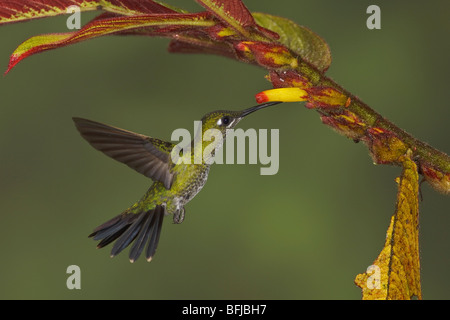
[153, 243]
[142, 228]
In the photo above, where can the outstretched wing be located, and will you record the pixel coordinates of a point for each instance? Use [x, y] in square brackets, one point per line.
[146, 155]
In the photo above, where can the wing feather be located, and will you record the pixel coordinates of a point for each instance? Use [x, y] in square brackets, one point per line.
[148, 156]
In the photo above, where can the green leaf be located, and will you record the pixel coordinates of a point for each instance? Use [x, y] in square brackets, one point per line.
[307, 44]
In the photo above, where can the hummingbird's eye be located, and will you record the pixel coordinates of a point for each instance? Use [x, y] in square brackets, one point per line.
[225, 120]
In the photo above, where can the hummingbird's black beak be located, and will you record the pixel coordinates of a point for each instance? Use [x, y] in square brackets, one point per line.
[258, 107]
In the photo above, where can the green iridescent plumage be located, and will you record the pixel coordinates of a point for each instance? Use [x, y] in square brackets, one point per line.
[175, 183]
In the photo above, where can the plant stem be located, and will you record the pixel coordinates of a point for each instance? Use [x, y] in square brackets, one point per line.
[422, 152]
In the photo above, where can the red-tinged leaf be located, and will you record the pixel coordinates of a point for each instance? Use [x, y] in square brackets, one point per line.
[15, 11]
[439, 180]
[267, 55]
[220, 32]
[136, 7]
[101, 27]
[325, 97]
[288, 78]
[232, 12]
[346, 123]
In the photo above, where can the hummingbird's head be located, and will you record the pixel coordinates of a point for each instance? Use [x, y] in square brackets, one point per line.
[223, 120]
[215, 125]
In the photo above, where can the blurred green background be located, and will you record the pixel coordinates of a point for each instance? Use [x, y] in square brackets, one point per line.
[304, 233]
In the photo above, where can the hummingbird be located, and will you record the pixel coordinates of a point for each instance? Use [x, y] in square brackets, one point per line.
[174, 183]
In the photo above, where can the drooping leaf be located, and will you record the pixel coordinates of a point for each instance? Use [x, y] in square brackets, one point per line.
[101, 27]
[395, 274]
[16, 11]
[307, 44]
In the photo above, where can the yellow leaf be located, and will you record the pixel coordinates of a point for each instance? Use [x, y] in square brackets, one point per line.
[395, 274]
